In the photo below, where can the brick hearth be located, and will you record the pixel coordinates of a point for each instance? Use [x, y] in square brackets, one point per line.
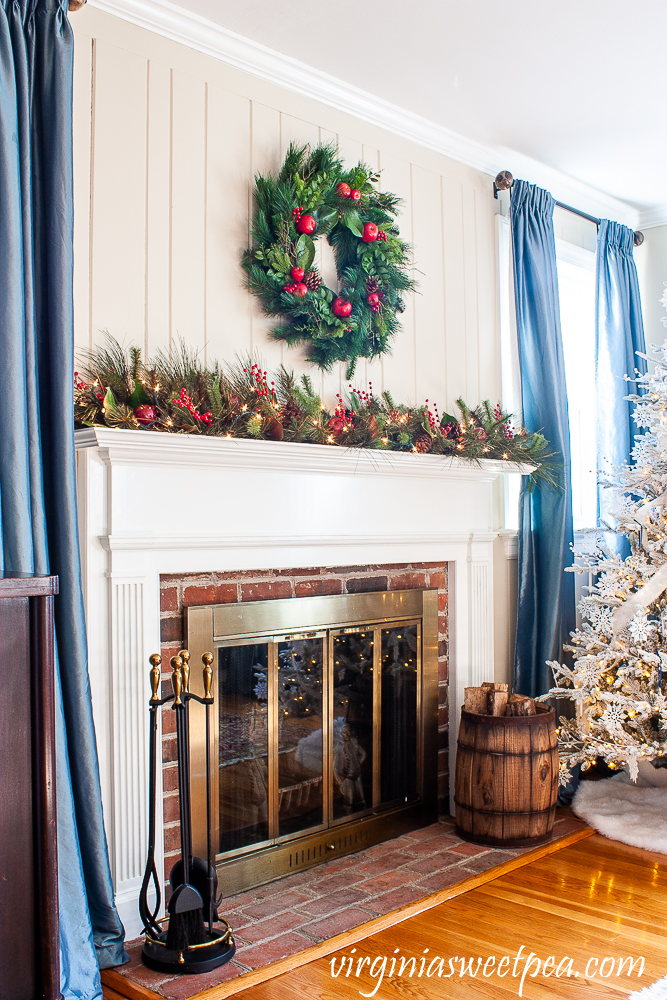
[186, 590]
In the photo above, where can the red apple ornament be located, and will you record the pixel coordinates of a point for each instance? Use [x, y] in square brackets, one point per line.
[373, 299]
[355, 195]
[370, 232]
[343, 190]
[297, 273]
[341, 307]
[145, 415]
[306, 225]
[301, 289]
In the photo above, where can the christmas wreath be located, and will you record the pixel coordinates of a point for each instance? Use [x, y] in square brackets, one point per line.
[313, 196]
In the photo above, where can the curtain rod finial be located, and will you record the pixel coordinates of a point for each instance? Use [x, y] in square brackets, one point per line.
[504, 180]
[638, 238]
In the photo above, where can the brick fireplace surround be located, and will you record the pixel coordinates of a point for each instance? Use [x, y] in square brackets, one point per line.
[179, 591]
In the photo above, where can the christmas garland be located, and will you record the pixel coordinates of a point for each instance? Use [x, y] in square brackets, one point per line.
[312, 197]
[175, 393]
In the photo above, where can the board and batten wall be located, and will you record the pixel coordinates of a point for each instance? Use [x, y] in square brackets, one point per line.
[166, 144]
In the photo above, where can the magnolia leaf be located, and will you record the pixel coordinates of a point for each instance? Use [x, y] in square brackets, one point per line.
[326, 216]
[139, 397]
[305, 251]
[353, 223]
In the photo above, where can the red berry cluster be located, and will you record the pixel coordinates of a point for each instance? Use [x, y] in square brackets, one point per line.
[78, 384]
[361, 394]
[508, 430]
[382, 235]
[433, 418]
[297, 213]
[184, 402]
[261, 386]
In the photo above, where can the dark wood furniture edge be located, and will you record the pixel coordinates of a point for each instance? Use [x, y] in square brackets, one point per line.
[44, 776]
[28, 586]
[114, 984]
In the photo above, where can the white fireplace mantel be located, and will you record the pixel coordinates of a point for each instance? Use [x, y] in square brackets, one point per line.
[151, 504]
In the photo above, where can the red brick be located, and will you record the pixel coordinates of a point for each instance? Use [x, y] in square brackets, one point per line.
[169, 749]
[443, 739]
[274, 904]
[443, 785]
[443, 715]
[334, 901]
[248, 574]
[442, 647]
[327, 927]
[183, 987]
[170, 778]
[437, 845]
[443, 760]
[366, 584]
[316, 588]
[469, 850]
[270, 951]
[442, 880]
[171, 808]
[435, 863]
[486, 861]
[386, 881]
[443, 671]
[442, 602]
[271, 926]
[394, 859]
[428, 565]
[148, 978]
[266, 591]
[438, 580]
[443, 624]
[169, 599]
[426, 832]
[225, 593]
[172, 838]
[395, 899]
[168, 721]
[343, 880]
[407, 581]
[310, 571]
[171, 629]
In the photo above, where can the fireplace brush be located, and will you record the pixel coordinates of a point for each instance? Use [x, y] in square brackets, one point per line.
[190, 943]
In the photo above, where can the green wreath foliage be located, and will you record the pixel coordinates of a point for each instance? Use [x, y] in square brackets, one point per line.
[307, 183]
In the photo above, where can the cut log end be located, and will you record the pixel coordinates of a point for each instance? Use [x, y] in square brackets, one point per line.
[520, 705]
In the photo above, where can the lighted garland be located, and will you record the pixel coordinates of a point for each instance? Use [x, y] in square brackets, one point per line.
[313, 196]
[175, 393]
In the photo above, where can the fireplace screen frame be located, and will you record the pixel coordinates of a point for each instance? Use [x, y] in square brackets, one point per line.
[210, 627]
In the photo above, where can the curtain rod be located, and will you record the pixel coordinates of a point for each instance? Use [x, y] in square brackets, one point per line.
[504, 182]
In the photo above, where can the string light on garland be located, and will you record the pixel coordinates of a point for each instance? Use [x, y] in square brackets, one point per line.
[313, 197]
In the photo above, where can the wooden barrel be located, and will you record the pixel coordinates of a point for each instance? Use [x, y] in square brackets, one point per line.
[506, 778]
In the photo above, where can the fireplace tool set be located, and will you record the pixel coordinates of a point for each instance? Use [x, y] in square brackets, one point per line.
[190, 943]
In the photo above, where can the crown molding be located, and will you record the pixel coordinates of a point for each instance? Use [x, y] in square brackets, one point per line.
[650, 218]
[188, 28]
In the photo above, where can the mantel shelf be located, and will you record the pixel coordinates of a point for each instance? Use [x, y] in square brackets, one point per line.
[129, 447]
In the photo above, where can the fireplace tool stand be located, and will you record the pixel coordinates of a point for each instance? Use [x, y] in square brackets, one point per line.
[189, 943]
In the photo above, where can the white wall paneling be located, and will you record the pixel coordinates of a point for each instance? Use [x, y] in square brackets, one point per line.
[167, 141]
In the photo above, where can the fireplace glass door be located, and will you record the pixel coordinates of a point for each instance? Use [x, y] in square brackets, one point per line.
[315, 730]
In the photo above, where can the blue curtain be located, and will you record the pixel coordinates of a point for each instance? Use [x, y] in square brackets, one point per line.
[546, 611]
[38, 518]
[619, 334]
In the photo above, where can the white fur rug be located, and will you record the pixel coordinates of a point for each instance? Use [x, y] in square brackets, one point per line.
[622, 810]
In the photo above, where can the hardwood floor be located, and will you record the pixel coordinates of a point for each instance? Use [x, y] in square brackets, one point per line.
[596, 899]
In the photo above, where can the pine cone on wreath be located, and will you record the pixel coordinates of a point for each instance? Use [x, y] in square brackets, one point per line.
[372, 286]
[423, 443]
[312, 281]
[290, 411]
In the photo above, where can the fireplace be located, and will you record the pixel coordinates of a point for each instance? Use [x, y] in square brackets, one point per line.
[327, 728]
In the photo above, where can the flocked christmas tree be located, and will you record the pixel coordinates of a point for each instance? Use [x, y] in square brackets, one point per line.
[620, 651]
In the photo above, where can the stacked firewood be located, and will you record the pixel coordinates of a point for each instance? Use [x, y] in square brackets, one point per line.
[495, 699]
